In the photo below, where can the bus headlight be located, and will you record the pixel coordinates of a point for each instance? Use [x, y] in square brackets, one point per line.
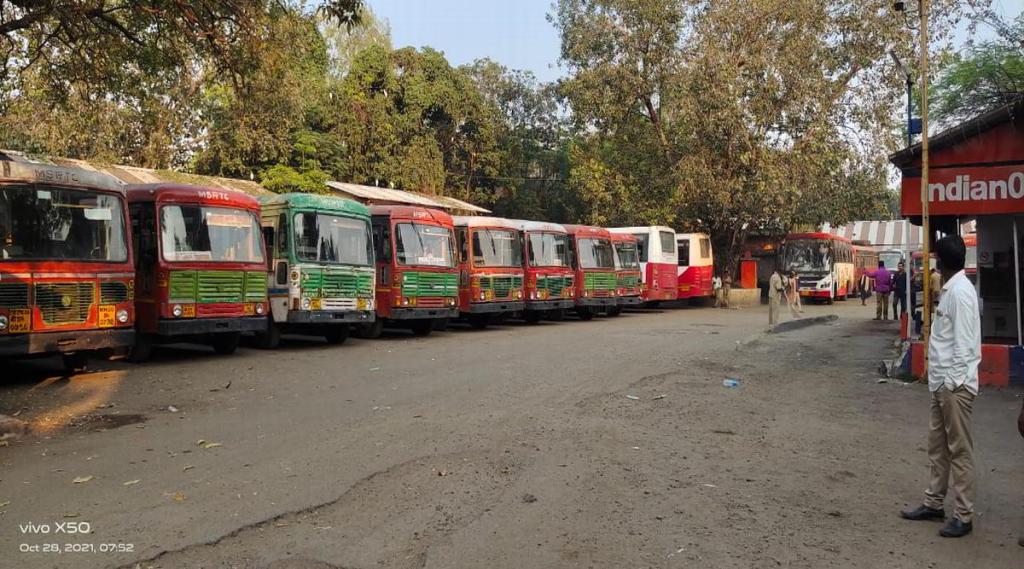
[3, 323]
[177, 310]
[260, 309]
[519, 294]
[450, 301]
[122, 316]
[825, 282]
[482, 295]
[306, 304]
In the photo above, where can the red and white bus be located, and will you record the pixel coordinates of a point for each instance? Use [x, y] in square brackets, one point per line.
[656, 248]
[823, 264]
[696, 265]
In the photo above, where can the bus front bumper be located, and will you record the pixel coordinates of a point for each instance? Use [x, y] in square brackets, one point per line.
[65, 342]
[630, 300]
[495, 307]
[816, 293]
[541, 305]
[601, 301]
[331, 316]
[423, 313]
[200, 326]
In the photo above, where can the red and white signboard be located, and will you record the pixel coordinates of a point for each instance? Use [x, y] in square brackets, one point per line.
[967, 191]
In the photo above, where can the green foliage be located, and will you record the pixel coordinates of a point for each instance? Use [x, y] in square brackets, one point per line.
[283, 179]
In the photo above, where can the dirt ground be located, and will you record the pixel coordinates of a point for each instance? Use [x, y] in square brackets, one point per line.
[610, 443]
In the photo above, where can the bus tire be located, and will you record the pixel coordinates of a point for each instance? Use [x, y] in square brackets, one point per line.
[371, 331]
[532, 316]
[226, 344]
[422, 327]
[143, 348]
[270, 339]
[336, 335]
[479, 321]
[585, 313]
[75, 362]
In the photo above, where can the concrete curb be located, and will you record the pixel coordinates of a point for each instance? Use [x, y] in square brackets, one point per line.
[791, 325]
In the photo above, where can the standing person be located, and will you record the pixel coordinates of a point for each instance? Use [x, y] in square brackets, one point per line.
[899, 291]
[865, 288]
[726, 287]
[883, 286]
[775, 290]
[716, 283]
[793, 295]
[954, 351]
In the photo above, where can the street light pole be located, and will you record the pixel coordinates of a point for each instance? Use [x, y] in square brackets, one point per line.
[925, 220]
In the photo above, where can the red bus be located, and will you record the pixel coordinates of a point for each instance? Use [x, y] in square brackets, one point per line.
[490, 268]
[696, 265]
[547, 262]
[594, 263]
[417, 276]
[66, 277]
[200, 264]
[658, 256]
[865, 258]
[823, 264]
[627, 272]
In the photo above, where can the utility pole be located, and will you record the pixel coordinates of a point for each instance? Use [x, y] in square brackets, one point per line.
[925, 220]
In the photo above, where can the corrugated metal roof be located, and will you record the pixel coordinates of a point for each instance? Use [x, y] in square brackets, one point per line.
[458, 205]
[900, 234]
[384, 196]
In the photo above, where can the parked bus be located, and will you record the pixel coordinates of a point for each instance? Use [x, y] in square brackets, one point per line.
[320, 276]
[594, 262]
[627, 272]
[696, 265]
[201, 270]
[547, 263]
[417, 276]
[891, 257]
[823, 264]
[490, 269]
[656, 249]
[865, 258]
[66, 278]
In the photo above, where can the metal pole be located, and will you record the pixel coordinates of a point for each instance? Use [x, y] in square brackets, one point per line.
[910, 110]
[1016, 279]
[925, 220]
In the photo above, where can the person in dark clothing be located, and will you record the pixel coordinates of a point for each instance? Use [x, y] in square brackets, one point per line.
[899, 291]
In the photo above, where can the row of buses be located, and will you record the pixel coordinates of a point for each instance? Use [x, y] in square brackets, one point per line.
[90, 265]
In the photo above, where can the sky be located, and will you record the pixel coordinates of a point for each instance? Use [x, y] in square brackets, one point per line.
[515, 33]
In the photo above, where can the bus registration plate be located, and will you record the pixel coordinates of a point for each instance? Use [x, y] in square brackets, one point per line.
[249, 309]
[21, 321]
[105, 317]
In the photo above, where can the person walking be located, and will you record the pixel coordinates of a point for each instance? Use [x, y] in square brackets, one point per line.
[883, 287]
[726, 287]
[954, 353]
[899, 291]
[793, 295]
[775, 290]
[716, 284]
[865, 288]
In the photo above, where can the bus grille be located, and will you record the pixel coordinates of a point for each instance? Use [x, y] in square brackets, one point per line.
[429, 284]
[64, 303]
[182, 286]
[554, 285]
[255, 286]
[336, 284]
[629, 281]
[600, 281]
[13, 295]
[502, 286]
[221, 286]
[113, 292]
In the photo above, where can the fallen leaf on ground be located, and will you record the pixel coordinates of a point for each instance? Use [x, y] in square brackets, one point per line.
[132, 482]
[187, 468]
[71, 515]
[178, 497]
[5, 504]
[211, 445]
[81, 479]
[200, 442]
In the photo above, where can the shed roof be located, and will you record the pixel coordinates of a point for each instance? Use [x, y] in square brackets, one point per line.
[373, 195]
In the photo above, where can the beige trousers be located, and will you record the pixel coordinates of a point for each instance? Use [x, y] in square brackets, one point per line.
[882, 309]
[773, 309]
[951, 451]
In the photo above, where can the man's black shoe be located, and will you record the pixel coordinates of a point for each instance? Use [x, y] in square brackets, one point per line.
[956, 528]
[923, 513]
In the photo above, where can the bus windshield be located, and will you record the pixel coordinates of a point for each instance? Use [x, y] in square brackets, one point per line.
[40, 222]
[596, 254]
[807, 255]
[332, 239]
[625, 254]
[497, 248]
[891, 259]
[548, 249]
[424, 245]
[212, 234]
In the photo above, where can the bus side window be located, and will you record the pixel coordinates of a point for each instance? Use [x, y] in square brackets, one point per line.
[385, 243]
[705, 248]
[684, 253]
[282, 235]
[463, 244]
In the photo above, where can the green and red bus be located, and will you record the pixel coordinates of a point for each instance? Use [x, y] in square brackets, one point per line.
[657, 253]
[594, 263]
[547, 264]
[200, 264]
[320, 277]
[490, 268]
[627, 272]
[66, 275]
[417, 276]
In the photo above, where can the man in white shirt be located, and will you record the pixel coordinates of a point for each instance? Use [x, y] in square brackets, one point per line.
[954, 353]
[716, 284]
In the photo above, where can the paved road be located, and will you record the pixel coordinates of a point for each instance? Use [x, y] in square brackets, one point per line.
[511, 447]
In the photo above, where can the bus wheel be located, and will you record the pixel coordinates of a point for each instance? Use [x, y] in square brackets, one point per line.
[371, 331]
[226, 344]
[479, 321]
[422, 327]
[532, 316]
[75, 362]
[143, 348]
[336, 334]
[270, 339]
[585, 313]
